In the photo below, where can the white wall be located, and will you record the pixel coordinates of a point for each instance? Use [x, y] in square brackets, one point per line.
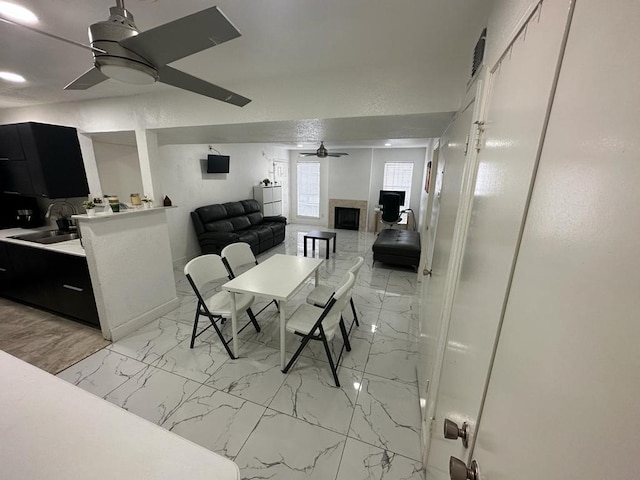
[349, 175]
[185, 181]
[118, 169]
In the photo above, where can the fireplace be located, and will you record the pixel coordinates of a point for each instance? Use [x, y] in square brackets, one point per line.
[360, 205]
[347, 218]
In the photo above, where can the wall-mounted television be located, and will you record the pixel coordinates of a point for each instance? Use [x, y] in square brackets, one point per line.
[392, 192]
[217, 163]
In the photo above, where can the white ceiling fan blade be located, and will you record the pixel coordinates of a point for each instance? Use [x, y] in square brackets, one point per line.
[182, 80]
[87, 79]
[183, 37]
[51, 35]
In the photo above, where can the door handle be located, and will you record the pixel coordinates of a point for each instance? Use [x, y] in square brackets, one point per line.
[71, 287]
[453, 432]
[458, 470]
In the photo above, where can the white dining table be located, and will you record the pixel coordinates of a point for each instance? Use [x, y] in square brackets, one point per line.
[279, 278]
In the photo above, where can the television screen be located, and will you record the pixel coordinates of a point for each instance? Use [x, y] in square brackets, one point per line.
[397, 192]
[218, 164]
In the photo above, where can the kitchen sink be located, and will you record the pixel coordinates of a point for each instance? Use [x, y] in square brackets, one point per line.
[48, 236]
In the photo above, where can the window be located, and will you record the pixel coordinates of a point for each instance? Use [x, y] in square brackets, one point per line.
[309, 189]
[398, 176]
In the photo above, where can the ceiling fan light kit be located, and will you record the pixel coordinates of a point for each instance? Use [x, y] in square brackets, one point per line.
[121, 52]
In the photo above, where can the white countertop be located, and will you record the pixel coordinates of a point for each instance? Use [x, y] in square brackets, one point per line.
[53, 430]
[101, 216]
[71, 247]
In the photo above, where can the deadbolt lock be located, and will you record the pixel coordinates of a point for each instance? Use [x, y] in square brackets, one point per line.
[458, 470]
[453, 432]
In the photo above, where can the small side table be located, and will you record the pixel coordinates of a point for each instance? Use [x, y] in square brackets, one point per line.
[318, 235]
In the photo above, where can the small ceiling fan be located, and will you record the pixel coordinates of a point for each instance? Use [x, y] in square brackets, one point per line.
[122, 52]
[322, 152]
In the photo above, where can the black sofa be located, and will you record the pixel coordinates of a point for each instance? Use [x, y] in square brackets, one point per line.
[219, 225]
[398, 247]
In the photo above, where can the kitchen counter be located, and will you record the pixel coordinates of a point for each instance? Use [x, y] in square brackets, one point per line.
[71, 247]
[110, 216]
[53, 430]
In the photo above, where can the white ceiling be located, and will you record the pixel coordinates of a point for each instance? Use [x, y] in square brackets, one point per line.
[281, 39]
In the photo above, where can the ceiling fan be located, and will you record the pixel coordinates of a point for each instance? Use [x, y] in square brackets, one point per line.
[122, 52]
[322, 152]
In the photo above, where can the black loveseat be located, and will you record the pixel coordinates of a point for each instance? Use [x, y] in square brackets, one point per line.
[219, 225]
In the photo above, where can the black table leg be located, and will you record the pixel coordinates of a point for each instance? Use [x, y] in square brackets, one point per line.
[327, 249]
[305, 246]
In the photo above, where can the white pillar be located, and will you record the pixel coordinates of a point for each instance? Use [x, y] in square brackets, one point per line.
[90, 165]
[149, 158]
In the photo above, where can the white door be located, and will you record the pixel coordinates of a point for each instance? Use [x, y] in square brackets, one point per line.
[564, 396]
[446, 190]
[520, 89]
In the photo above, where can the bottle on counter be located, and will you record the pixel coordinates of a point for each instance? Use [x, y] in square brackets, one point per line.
[136, 201]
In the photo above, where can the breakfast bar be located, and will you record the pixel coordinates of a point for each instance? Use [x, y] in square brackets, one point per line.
[53, 430]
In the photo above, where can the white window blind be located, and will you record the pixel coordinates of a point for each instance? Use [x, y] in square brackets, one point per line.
[398, 176]
[309, 189]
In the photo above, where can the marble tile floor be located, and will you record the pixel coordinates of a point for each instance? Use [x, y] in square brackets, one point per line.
[273, 425]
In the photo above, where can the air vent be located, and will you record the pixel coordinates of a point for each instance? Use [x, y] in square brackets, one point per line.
[478, 52]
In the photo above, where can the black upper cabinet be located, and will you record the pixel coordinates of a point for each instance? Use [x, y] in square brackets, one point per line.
[10, 145]
[41, 160]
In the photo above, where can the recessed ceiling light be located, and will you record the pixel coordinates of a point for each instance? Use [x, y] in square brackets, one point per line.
[387, 144]
[17, 13]
[12, 77]
[300, 145]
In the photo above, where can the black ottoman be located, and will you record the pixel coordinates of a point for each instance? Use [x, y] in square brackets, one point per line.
[398, 247]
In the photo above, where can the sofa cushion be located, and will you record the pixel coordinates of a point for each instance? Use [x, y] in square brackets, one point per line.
[240, 223]
[249, 236]
[211, 213]
[233, 209]
[255, 218]
[263, 232]
[219, 226]
[250, 206]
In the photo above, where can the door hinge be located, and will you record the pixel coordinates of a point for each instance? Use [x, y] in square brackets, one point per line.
[466, 146]
[479, 135]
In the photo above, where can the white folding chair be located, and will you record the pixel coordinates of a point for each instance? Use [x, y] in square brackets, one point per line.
[312, 323]
[321, 294]
[202, 271]
[236, 257]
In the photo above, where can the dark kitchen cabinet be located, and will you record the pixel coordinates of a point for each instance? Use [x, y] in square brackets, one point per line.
[15, 178]
[52, 280]
[6, 270]
[41, 160]
[10, 144]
